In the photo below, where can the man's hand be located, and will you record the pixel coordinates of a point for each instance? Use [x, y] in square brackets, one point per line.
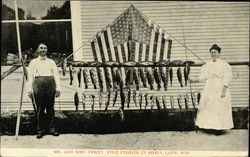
[30, 93]
[57, 93]
[224, 91]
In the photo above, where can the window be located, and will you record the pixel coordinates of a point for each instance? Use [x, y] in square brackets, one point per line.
[39, 21]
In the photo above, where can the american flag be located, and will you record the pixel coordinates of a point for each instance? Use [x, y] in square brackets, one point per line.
[131, 37]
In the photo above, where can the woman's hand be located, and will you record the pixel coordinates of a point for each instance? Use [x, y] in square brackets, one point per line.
[224, 91]
[193, 80]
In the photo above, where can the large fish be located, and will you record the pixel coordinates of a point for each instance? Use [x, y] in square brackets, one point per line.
[193, 101]
[79, 74]
[113, 77]
[157, 78]
[172, 102]
[108, 79]
[100, 81]
[164, 102]
[100, 99]
[115, 96]
[179, 76]
[152, 98]
[128, 97]
[83, 101]
[179, 103]
[85, 78]
[150, 78]
[108, 100]
[186, 73]
[93, 77]
[164, 78]
[136, 78]
[92, 97]
[158, 103]
[119, 79]
[171, 75]
[76, 100]
[122, 95]
[146, 100]
[134, 97]
[140, 101]
[198, 97]
[71, 74]
[186, 102]
[64, 65]
[143, 78]
[129, 77]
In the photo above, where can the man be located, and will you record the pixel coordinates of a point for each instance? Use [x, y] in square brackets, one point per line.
[43, 85]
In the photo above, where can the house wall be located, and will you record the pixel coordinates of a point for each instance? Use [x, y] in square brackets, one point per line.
[201, 24]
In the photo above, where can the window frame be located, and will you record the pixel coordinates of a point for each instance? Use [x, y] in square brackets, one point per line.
[75, 9]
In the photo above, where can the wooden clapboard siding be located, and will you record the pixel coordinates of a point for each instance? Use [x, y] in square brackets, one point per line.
[204, 23]
[10, 91]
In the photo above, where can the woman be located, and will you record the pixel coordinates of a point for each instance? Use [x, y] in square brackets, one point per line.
[215, 110]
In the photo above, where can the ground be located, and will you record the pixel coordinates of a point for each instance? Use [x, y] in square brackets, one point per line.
[234, 140]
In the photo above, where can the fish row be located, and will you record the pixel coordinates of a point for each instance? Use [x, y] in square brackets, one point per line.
[127, 63]
[141, 100]
[140, 77]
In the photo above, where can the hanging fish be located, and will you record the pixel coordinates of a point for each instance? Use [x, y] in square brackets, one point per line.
[179, 76]
[122, 95]
[198, 97]
[164, 102]
[79, 74]
[85, 78]
[83, 101]
[150, 78]
[113, 77]
[129, 76]
[157, 78]
[179, 103]
[136, 78]
[92, 97]
[119, 79]
[146, 100]
[100, 81]
[134, 98]
[71, 74]
[128, 97]
[100, 99]
[172, 102]
[64, 66]
[108, 79]
[93, 77]
[76, 100]
[115, 96]
[143, 78]
[108, 100]
[158, 103]
[152, 98]
[185, 71]
[140, 102]
[192, 99]
[171, 75]
[164, 78]
[186, 102]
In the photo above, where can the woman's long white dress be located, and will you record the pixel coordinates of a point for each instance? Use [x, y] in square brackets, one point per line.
[215, 112]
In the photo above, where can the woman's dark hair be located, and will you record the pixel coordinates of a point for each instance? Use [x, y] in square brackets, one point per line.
[216, 47]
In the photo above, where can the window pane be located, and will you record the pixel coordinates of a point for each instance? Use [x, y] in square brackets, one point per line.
[31, 10]
[56, 35]
[8, 43]
[8, 10]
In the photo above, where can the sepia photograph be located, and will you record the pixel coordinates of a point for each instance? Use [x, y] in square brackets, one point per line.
[124, 78]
